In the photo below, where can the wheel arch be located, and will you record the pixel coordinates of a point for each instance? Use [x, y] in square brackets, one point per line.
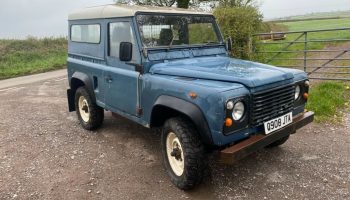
[77, 80]
[166, 107]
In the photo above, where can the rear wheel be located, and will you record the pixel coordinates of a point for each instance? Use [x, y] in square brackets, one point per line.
[89, 114]
[183, 153]
[278, 142]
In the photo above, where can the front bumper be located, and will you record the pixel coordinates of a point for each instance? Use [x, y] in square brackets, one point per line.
[260, 140]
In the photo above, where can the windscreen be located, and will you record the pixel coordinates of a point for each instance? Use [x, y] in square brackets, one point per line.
[159, 30]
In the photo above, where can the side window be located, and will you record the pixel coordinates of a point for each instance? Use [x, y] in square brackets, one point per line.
[121, 32]
[86, 33]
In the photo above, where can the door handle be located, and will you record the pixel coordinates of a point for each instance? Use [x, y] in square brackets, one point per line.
[109, 79]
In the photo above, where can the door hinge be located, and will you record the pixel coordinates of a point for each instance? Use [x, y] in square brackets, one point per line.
[139, 111]
[138, 67]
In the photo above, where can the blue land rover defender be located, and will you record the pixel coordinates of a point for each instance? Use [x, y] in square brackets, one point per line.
[169, 68]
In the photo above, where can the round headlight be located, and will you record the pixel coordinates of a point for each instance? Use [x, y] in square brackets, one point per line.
[229, 105]
[238, 111]
[297, 92]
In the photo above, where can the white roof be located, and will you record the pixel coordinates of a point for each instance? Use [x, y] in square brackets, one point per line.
[122, 10]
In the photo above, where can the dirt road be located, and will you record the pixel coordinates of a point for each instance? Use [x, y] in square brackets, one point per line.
[45, 154]
[13, 82]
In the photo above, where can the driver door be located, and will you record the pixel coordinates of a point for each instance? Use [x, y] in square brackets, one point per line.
[121, 79]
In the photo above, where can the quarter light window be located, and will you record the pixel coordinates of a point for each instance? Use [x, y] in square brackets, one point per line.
[86, 33]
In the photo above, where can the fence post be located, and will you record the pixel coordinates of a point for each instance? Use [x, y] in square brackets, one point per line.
[250, 46]
[305, 51]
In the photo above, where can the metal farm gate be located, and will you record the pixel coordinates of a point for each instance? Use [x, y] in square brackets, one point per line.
[323, 54]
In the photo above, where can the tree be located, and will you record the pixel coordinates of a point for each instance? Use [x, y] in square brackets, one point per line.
[183, 3]
[190, 3]
[168, 3]
[237, 3]
[240, 23]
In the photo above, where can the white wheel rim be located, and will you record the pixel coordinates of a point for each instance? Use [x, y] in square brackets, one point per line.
[84, 109]
[177, 163]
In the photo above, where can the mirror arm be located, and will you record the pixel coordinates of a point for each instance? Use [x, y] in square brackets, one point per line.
[138, 67]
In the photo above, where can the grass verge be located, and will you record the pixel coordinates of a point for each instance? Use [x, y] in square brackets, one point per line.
[22, 57]
[328, 99]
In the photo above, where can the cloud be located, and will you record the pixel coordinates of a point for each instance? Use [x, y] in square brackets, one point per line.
[40, 18]
[283, 8]
[20, 18]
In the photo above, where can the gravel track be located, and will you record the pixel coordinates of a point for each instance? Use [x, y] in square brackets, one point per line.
[45, 154]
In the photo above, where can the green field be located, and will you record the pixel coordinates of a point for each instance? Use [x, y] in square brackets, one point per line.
[22, 57]
[307, 25]
[318, 24]
[334, 14]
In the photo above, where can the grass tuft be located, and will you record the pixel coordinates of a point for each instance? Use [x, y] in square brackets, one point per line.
[328, 99]
[22, 57]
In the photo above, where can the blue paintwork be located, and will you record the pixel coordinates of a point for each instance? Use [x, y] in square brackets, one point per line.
[206, 70]
[227, 69]
[216, 80]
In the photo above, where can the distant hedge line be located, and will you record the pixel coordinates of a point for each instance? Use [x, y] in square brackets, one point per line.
[22, 57]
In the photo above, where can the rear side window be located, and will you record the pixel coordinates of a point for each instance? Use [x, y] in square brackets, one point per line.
[86, 33]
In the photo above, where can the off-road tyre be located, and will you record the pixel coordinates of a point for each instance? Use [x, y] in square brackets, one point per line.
[96, 113]
[278, 142]
[193, 153]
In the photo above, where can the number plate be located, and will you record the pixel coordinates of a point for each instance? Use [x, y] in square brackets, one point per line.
[278, 123]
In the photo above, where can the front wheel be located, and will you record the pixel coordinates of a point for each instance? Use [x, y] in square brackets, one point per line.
[183, 153]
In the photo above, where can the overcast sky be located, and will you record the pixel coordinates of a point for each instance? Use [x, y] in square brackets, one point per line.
[283, 8]
[20, 18]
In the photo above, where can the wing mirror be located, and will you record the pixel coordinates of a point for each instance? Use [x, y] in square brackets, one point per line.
[125, 54]
[229, 44]
[125, 51]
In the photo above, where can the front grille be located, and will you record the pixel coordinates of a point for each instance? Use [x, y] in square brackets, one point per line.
[270, 104]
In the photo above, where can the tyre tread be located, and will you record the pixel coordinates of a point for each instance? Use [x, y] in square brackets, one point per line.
[193, 148]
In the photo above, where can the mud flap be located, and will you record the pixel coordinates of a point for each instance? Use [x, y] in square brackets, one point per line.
[71, 99]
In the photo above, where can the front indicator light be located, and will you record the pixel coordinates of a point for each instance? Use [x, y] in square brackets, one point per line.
[305, 96]
[228, 122]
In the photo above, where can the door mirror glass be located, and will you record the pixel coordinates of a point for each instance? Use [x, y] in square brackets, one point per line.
[125, 51]
[229, 44]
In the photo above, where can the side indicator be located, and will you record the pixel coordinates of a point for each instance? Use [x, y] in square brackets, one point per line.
[193, 95]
